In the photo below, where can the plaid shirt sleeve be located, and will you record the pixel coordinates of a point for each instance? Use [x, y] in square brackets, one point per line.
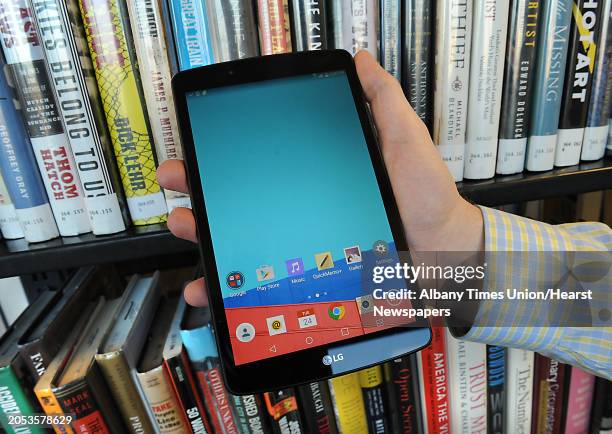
[512, 324]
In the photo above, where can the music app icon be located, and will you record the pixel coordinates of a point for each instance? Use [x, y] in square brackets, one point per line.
[295, 267]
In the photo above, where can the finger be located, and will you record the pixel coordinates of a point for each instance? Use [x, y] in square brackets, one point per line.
[195, 293]
[171, 175]
[182, 224]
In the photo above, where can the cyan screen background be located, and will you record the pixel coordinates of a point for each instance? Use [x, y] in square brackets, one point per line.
[285, 173]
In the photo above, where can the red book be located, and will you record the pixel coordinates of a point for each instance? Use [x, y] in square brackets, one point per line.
[274, 27]
[547, 396]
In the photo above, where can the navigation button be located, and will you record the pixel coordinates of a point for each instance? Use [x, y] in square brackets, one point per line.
[344, 331]
[273, 349]
[309, 340]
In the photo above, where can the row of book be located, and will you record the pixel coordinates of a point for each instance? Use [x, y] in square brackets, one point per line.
[134, 358]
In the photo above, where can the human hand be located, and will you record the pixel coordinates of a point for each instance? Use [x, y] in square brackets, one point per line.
[434, 215]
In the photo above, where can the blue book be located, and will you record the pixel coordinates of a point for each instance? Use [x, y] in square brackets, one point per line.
[191, 33]
[496, 383]
[552, 46]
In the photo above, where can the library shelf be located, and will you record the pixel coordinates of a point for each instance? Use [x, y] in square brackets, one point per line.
[140, 243]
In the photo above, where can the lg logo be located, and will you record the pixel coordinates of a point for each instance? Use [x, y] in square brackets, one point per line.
[328, 360]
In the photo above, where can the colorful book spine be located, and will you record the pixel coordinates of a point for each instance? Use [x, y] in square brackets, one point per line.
[61, 33]
[9, 222]
[348, 402]
[233, 29]
[579, 401]
[404, 396]
[518, 79]
[519, 391]
[108, 36]
[452, 69]
[371, 381]
[77, 399]
[391, 37]
[359, 21]
[584, 35]
[417, 57]
[34, 88]
[309, 25]
[553, 39]
[151, 51]
[549, 379]
[486, 79]
[596, 131]
[274, 26]
[191, 33]
[496, 383]
[284, 412]
[14, 401]
[317, 408]
[18, 169]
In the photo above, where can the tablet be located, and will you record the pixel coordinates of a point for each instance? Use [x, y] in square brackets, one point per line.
[294, 210]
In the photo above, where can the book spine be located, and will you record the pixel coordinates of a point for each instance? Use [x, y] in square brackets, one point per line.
[467, 372]
[335, 24]
[317, 408]
[348, 404]
[233, 29]
[53, 22]
[51, 407]
[600, 419]
[18, 168]
[390, 36]
[417, 57]
[191, 33]
[78, 399]
[14, 401]
[163, 401]
[9, 222]
[548, 396]
[518, 79]
[553, 39]
[360, 26]
[284, 412]
[403, 393]
[109, 40]
[54, 157]
[255, 414]
[152, 54]
[486, 78]
[274, 26]
[496, 383]
[519, 391]
[372, 388]
[452, 69]
[584, 34]
[579, 401]
[309, 25]
[596, 131]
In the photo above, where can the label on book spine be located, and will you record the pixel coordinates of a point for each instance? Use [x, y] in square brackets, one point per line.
[191, 33]
[105, 23]
[496, 383]
[579, 402]
[309, 25]
[233, 29]
[78, 400]
[404, 395]
[371, 381]
[360, 26]
[9, 222]
[274, 27]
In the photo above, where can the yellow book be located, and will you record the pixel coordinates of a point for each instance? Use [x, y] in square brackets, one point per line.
[348, 404]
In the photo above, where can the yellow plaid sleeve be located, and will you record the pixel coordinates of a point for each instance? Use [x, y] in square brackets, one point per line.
[512, 324]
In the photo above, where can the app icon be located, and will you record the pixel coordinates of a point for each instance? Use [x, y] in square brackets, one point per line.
[295, 267]
[352, 255]
[336, 311]
[380, 248]
[324, 261]
[276, 325]
[235, 279]
[306, 318]
[365, 304]
[264, 273]
[245, 332]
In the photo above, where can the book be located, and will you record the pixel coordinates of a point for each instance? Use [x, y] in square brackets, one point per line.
[518, 79]
[150, 42]
[314, 400]
[110, 44]
[452, 79]
[274, 26]
[168, 28]
[309, 25]
[417, 57]
[548, 382]
[80, 388]
[284, 412]
[177, 367]
[391, 37]
[349, 407]
[580, 387]
[496, 384]
[14, 299]
[596, 131]
[601, 412]
[336, 36]
[490, 18]
[404, 395]
[582, 52]
[467, 385]
[359, 21]
[518, 391]
[19, 170]
[372, 385]
[552, 43]
[155, 383]
[191, 33]
[54, 157]
[64, 45]
[120, 350]
[9, 222]
[233, 29]
[255, 414]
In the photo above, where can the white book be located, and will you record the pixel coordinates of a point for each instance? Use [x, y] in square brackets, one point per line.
[490, 24]
[519, 391]
[13, 298]
[467, 374]
[452, 76]
[360, 26]
[9, 222]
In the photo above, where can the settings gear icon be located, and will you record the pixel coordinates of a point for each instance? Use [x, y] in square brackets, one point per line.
[381, 248]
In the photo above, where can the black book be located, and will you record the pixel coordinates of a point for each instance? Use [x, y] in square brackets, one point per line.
[317, 407]
[403, 395]
[375, 400]
[308, 24]
[601, 413]
[284, 412]
[496, 380]
[251, 414]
